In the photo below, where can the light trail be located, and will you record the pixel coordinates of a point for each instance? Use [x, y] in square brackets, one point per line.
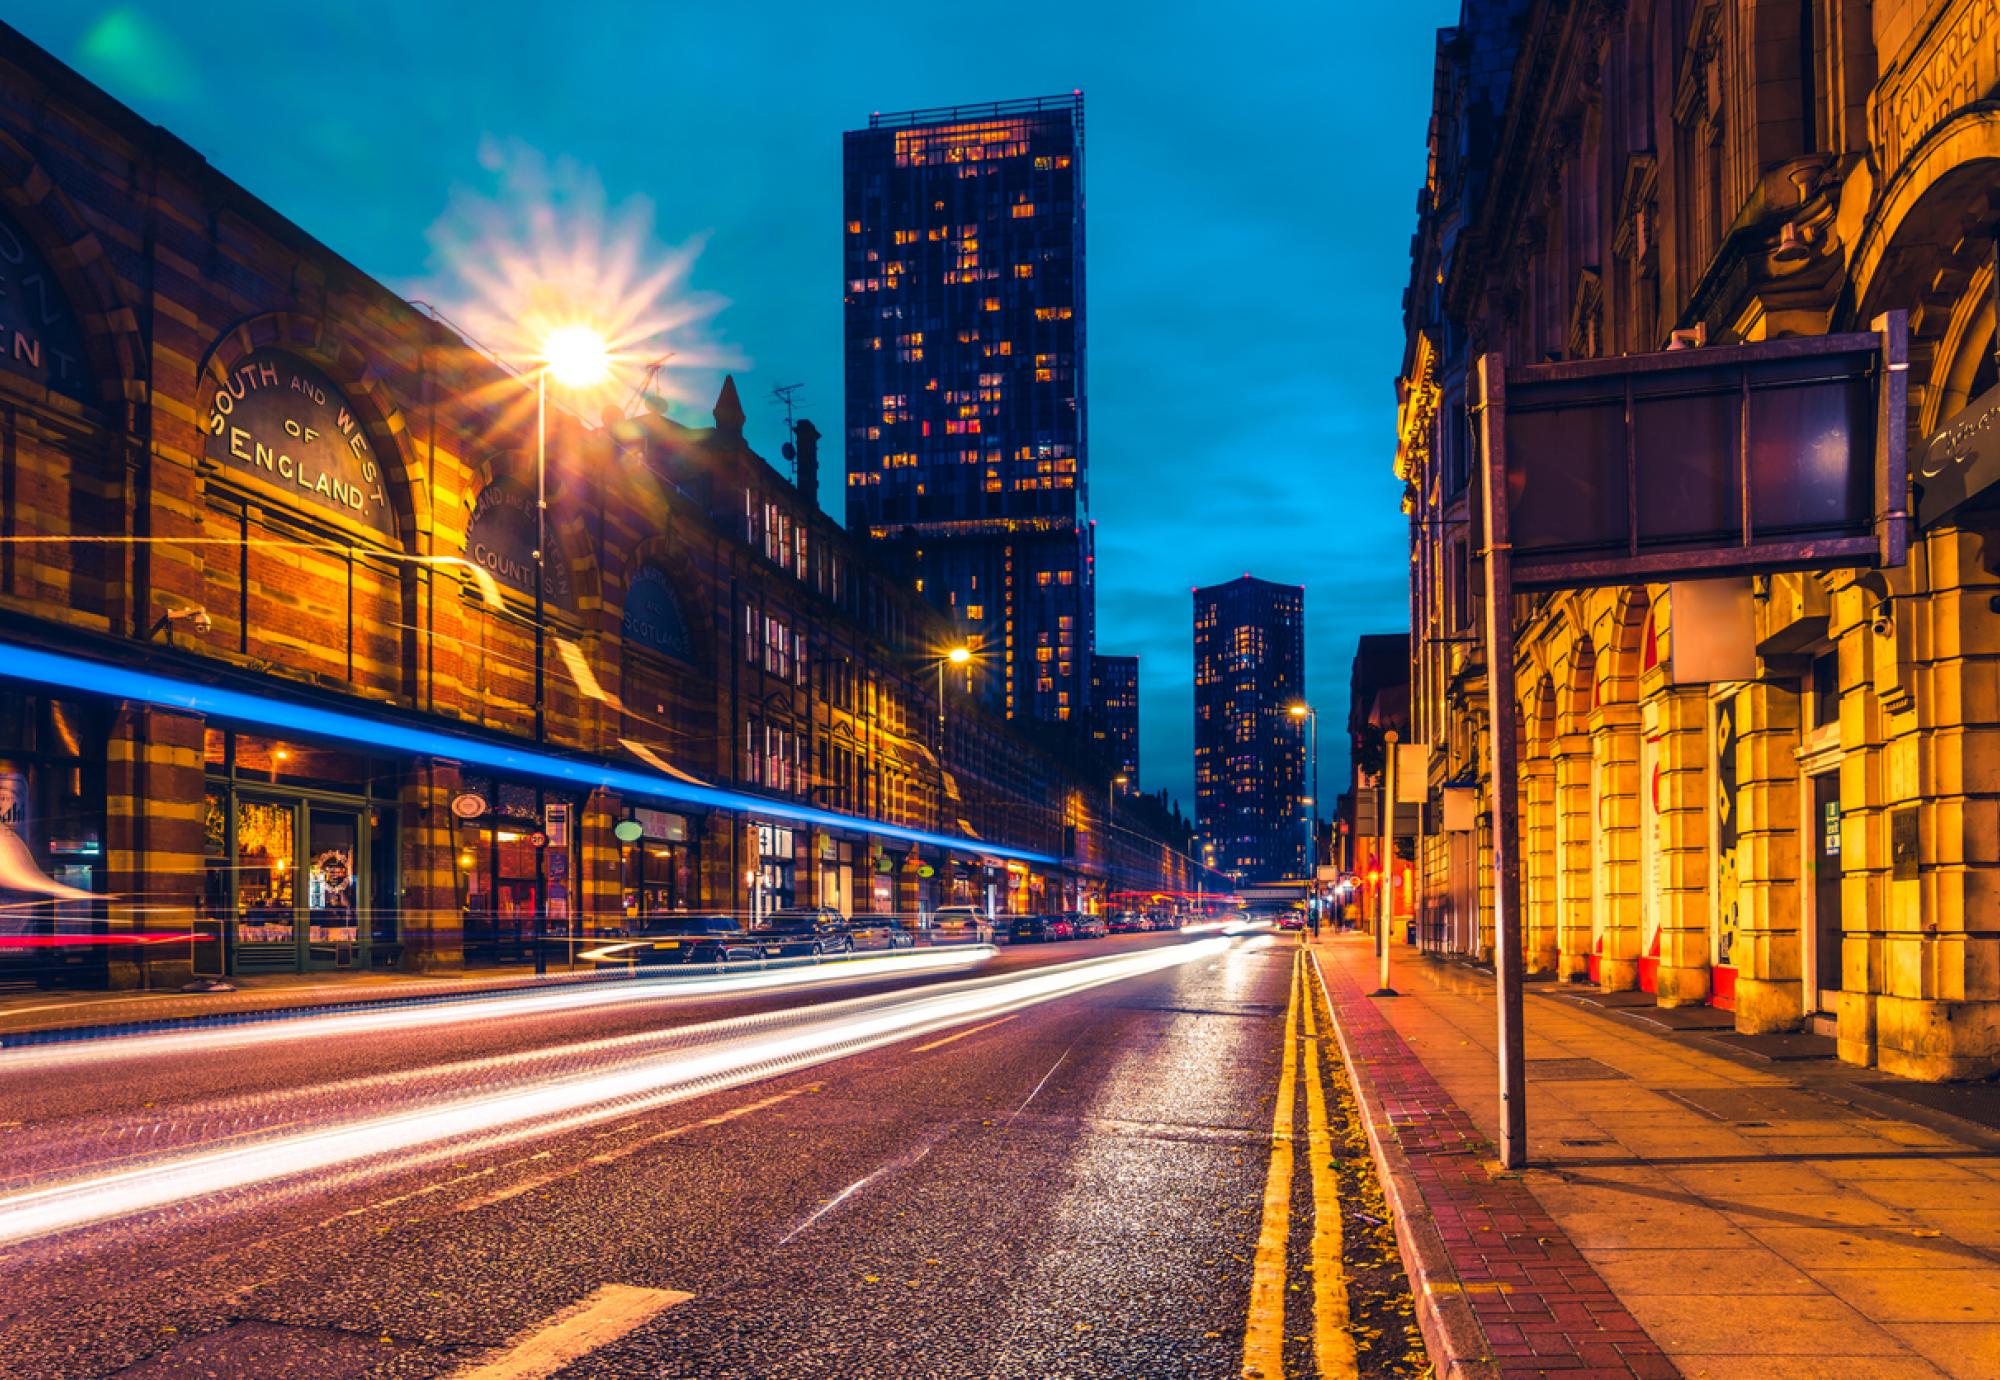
[707, 1058]
[451, 1009]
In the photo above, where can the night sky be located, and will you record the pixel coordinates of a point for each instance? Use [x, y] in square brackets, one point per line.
[1252, 173]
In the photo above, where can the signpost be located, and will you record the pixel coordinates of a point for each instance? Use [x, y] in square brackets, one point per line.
[1738, 460]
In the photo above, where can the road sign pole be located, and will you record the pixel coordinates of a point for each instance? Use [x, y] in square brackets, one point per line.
[1502, 734]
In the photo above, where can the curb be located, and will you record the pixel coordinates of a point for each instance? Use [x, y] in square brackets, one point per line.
[1452, 1335]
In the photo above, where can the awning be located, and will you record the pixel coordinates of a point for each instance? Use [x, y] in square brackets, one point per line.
[400, 735]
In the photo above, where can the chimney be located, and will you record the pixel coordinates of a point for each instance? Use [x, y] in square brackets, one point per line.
[806, 435]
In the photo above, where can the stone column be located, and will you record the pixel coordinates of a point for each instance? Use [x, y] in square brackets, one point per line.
[1538, 865]
[153, 839]
[1926, 718]
[1678, 717]
[1575, 847]
[1614, 740]
[1769, 950]
[433, 925]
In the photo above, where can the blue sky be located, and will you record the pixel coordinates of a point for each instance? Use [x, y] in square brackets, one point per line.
[1252, 173]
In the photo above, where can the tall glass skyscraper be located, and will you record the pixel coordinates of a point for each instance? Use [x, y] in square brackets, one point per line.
[966, 429]
[1249, 752]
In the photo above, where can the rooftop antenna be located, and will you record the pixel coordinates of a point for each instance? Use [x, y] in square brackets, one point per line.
[786, 395]
[646, 385]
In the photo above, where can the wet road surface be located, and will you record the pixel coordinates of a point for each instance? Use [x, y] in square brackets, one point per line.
[1074, 1159]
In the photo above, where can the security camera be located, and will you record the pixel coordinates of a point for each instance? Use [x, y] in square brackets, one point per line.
[194, 616]
[1883, 621]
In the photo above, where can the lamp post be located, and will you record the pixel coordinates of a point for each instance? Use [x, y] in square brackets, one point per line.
[1311, 717]
[960, 655]
[579, 357]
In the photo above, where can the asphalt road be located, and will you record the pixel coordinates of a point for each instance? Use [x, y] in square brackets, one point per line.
[1060, 1163]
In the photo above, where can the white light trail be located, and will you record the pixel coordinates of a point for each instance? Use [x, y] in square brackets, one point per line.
[738, 1051]
[514, 1002]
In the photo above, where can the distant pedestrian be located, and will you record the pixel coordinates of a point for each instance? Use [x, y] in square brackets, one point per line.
[1312, 917]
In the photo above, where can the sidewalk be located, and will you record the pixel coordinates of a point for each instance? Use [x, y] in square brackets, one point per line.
[1748, 1222]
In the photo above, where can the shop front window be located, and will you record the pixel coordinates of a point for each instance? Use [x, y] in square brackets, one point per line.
[265, 854]
[503, 881]
[300, 865]
[52, 810]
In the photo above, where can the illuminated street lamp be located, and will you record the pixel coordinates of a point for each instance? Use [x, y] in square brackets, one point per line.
[1305, 711]
[960, 655]
[580, 358]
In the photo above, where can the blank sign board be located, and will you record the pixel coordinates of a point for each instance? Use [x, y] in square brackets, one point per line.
[1784, 454]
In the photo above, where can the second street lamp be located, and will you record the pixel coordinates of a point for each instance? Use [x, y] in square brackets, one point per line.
[1311, 717]
[960, 655]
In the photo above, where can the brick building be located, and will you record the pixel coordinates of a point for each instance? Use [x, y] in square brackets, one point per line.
[1815, 845]
[268, 665]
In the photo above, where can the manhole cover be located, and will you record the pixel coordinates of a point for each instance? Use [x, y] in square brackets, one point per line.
[1569, 1071]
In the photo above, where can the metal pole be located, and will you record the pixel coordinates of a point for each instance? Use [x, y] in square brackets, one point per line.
[1388, 916]
[1312, 821]
[541, 719]
[1503, 735]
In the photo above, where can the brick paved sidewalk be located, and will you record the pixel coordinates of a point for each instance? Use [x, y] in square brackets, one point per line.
[1706, 1215]
[1535, 1302]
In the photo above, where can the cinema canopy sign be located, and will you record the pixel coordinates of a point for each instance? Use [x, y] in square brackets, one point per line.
[278, 420]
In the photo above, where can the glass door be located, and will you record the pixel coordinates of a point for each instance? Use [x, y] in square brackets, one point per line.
[1826, 918]
[266, 938]
[333, 887]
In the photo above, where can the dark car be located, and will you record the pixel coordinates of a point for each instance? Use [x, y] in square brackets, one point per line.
[1089, 926]
[1040, 929]
[804, 932]
[1127, 922]
[882, 932]
[662, 939]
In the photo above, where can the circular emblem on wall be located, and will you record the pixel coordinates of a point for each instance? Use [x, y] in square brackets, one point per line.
[468, 805]
[628, 831]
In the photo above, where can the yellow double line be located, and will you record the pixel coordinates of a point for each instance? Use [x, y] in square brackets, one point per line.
[1264, 1335]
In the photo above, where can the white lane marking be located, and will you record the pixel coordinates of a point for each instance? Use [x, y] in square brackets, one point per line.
[605, 1315]
[936, 1044]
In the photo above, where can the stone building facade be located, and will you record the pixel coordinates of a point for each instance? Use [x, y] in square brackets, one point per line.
[1819, 844]
[267, 561]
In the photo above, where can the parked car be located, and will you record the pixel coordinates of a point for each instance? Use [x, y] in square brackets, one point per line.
[1089, 926]
[1040, 929]
[805, 931]
[960, 925]
[683, 939]
[1292, 920]
[879, 932]
[1128, 922]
